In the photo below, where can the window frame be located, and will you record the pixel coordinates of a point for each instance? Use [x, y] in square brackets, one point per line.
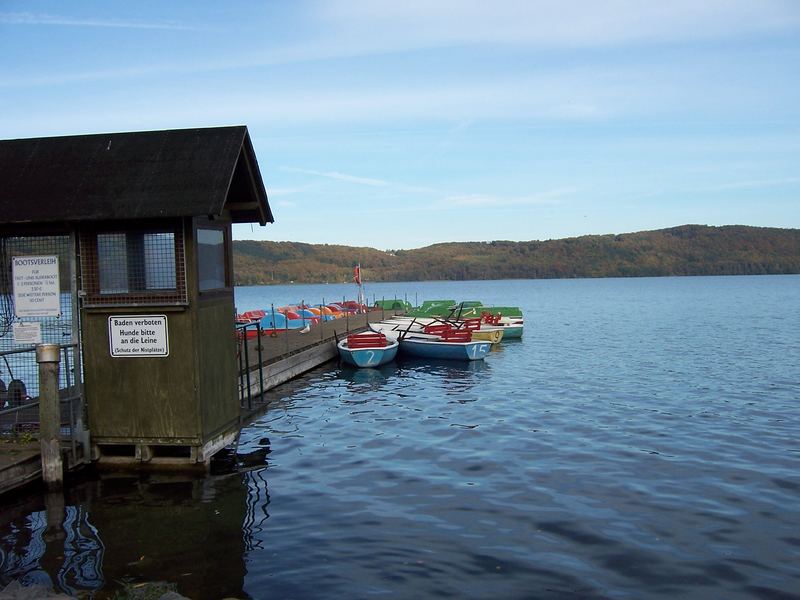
[225, 228]
[90, 258]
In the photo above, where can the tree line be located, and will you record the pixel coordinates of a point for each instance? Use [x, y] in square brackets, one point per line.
[684, 250]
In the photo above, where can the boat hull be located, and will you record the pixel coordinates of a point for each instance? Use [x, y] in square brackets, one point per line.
[367, 357]
[427, 348]
[493, 336]
[511, 332]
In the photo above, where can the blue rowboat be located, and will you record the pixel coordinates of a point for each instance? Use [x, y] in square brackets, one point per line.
[437, 347]
[368, 349]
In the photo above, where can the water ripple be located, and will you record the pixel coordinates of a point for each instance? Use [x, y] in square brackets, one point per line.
[639, 442]
[585, 461]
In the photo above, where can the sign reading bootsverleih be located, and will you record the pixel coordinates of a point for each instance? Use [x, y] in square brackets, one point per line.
[37, 290]
[138, 335]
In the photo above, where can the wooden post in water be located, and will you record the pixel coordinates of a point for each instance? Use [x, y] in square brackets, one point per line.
[48, 356]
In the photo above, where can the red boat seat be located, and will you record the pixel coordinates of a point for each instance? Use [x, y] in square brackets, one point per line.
[457, 335]
[491, 319]
[366, 340]
[472, 324]
[437, 329]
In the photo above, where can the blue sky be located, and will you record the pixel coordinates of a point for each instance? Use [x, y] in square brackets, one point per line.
[402, 124]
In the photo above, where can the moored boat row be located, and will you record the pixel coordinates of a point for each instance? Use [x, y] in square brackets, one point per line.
[437, 330]
[509, 318]
[298, 316]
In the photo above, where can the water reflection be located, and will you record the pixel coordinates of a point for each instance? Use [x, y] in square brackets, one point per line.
[256, 514]
[451, 369]
[406, 376]
[372, 378]
[57, 547]
[82, 568]
[192, 531]
[455, 377]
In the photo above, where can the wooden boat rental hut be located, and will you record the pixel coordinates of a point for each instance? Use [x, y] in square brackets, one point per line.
[142, 224]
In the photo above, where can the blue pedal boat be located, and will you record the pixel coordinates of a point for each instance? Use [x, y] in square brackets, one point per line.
[454, 345]
[367, 349]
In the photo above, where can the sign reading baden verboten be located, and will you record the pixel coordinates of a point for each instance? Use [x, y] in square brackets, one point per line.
[37, 290]
[138, 336]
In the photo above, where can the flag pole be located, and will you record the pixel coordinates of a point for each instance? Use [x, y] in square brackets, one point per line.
[358, 280]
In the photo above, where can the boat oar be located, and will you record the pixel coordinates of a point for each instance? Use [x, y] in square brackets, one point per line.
[403, 334]
[460, 308]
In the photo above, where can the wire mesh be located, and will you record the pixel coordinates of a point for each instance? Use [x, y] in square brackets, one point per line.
[19, 371]
[54, 329]
[133, 268]
[18, 368]
[19, 391]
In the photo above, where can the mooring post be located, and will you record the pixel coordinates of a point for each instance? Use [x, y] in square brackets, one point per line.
[48, 356]
[54, 510]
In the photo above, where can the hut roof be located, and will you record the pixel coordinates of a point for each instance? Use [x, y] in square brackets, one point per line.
[137, 175]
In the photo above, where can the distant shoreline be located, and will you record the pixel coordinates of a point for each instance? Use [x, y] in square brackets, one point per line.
[276, 283]
[688, 250]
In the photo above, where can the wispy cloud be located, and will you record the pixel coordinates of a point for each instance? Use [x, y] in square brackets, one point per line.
[283, 204]
[287, 191]
[26, 18]
[341, 29]
[491, 201]
[553, 22]
[566, 95]
[281, 197]
[338, 176]
[749, 184]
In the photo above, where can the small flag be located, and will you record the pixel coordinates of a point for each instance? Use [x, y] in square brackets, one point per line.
[357, 274]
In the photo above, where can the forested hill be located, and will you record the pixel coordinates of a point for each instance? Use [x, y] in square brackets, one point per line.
[685, 250]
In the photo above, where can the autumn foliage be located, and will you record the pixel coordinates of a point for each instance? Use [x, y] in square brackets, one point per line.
[685, 250]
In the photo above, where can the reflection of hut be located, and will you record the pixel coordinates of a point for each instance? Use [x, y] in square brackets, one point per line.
[149, 215]
[114, 528]
[206, 520]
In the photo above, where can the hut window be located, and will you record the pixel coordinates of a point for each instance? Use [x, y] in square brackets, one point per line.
[133, 267]
[136, 262]
[211, 263]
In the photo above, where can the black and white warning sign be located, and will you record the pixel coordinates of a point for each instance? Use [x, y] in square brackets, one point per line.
[138, 335]
[37, 290]
[27, 332]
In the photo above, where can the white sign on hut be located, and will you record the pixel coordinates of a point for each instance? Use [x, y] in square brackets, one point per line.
[36, 286]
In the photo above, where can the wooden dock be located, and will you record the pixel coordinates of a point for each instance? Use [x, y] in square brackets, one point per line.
[21, 464]
[288, 354]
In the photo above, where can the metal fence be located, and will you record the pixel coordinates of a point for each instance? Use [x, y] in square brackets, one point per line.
[19, 402]
[251, 381]
[19, 371]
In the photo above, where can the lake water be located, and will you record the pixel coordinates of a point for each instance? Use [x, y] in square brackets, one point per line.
[641, 441]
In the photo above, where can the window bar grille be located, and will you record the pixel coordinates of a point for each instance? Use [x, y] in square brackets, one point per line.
[134, 268]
